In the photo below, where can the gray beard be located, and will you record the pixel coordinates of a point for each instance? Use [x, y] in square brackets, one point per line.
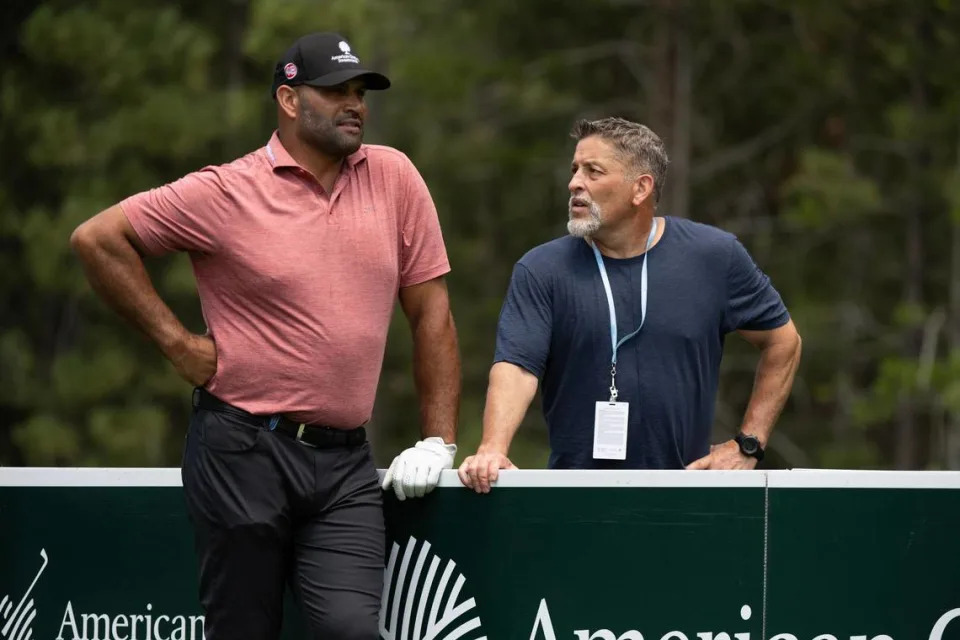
[581, 228]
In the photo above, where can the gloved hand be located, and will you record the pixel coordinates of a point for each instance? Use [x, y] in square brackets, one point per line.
[416, 471]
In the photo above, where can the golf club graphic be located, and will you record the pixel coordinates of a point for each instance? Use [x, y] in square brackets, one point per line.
[441, 622]
[16, 624]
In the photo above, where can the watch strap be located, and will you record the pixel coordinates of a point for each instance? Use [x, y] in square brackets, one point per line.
[758, 454]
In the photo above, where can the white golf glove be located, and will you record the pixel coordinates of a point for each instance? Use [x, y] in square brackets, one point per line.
[416, 471]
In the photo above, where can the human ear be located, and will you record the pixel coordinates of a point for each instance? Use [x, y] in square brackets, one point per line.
[288, 100]
[642, 189]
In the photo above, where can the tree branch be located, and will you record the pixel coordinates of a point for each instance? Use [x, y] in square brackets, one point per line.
[746, 151]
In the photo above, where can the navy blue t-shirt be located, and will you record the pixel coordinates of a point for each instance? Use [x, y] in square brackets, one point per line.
[555, 323]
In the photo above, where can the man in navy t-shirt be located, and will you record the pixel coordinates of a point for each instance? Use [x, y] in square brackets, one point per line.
[675, 289]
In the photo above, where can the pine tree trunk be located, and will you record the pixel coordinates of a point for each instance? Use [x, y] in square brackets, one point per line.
[905, 453]
[671, 101]
[953, 338]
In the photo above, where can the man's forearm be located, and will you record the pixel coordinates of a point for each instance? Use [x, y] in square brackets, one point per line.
[117, 274]
[436, 365]
[771, 388]
[509, 394]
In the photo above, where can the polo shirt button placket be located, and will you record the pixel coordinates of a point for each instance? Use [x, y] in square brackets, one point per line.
[323, 202]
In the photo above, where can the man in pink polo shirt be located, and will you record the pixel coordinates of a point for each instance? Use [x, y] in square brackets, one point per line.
[300, 250]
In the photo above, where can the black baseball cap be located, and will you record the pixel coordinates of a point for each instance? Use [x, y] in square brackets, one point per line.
[323, 60]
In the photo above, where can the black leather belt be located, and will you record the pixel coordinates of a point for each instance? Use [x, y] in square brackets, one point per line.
[310, 434]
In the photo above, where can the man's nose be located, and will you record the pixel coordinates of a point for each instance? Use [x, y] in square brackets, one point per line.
[355, 102]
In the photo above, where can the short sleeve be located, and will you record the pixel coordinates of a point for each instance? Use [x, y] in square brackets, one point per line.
[752, 302]
[423, 255]
[526, 323]
[177, 216]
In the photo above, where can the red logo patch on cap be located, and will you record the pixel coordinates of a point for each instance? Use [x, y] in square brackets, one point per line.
[290, 70]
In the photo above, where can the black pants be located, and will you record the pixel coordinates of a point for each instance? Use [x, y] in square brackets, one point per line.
[269, 511]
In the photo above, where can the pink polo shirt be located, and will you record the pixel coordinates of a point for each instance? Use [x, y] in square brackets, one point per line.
[298, 286]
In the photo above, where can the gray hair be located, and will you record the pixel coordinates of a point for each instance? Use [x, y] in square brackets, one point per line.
[641, 149]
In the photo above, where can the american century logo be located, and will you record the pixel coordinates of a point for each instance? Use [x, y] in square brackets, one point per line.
[17, 620]
[403, 607]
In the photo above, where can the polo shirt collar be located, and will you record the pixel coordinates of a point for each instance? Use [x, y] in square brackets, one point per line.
[280, 158]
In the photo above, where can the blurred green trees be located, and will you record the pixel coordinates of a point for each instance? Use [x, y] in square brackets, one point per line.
[825, 134]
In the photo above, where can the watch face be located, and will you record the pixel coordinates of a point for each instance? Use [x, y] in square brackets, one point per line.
[749, 445]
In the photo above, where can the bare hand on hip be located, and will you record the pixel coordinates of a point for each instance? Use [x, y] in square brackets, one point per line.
[196, 359]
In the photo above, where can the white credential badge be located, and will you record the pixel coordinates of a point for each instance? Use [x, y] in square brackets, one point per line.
[610, 430]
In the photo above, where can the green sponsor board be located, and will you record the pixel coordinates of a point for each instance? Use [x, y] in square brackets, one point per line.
[881, 560]
[107, 554]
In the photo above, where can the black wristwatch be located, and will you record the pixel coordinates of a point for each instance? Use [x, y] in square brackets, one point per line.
[749, 446]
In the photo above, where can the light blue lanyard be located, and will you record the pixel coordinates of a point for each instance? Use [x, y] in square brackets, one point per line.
[613, 312]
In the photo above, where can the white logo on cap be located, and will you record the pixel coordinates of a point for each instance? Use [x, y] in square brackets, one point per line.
[290, 70]
[346, 56]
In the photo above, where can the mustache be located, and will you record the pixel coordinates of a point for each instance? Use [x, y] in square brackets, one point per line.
[350, 116]
[580, 201]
